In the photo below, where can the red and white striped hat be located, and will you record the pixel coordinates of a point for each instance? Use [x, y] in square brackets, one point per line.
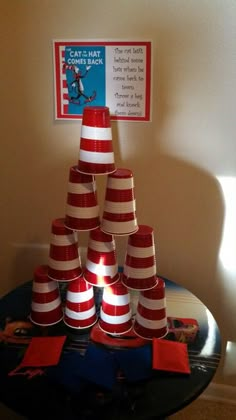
[119, 215]
[64, 259]
[101, 268]
[96, 155]
[46, 306]
[151, 320]
[115, 311]
[80, 311]
[82, 210]
[140, 262]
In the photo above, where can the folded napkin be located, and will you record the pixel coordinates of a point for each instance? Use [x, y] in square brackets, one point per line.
[170, 356]
[98, 366]
[41, 352]
[136, 364]
[67, 371]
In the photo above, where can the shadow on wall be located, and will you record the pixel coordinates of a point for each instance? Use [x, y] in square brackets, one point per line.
[184, 205]
[182, 202]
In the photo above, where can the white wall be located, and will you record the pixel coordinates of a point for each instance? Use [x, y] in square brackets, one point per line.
[183, 161]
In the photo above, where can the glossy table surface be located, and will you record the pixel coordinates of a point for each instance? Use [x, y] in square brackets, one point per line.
[161, 395]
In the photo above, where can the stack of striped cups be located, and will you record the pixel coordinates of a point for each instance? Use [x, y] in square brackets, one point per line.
[96, 158]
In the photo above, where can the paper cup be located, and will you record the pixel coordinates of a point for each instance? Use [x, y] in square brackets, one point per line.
[96, 154]
[46, 306]
[80, 311]
[115, 312]
[82, 210]
[64, 259]
[119, 215]
[151, 320]
[140, 261]
[101, 268]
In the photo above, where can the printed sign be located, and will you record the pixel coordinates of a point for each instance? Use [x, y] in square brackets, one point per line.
[113, 74]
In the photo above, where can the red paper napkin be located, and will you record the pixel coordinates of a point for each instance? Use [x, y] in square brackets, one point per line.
[170, 356]
[43, 351]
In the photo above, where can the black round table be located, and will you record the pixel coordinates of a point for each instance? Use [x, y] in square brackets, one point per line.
[46, 396]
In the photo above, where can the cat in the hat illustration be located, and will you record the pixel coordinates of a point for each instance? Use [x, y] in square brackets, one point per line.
[77, 84]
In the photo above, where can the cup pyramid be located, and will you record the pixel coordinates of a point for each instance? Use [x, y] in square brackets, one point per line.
[100, 270]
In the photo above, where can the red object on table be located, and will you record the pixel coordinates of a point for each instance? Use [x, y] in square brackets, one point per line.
[170, 356]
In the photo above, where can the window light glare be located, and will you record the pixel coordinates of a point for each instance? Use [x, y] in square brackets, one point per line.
[228, 245]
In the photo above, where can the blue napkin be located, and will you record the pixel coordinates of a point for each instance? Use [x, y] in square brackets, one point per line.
[136, 364]
[99, 366]
[67, 371]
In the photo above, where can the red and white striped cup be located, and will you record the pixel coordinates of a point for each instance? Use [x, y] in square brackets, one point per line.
[101, 268]
[151, 320]
[96, 155]
[46, 308]
[64, 259]
[82, 210]
[119, 214]
[115, 311]
[80, 311]
[140, 261]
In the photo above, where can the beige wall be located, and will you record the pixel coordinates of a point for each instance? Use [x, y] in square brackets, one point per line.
[178, 159]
